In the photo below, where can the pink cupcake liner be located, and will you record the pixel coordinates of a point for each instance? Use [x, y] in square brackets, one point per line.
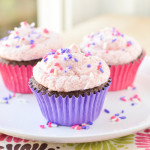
[71, 111]
[123, 75]
[16, 78]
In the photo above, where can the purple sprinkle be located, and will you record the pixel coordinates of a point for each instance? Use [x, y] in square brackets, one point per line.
[117, 114]
[101, 70]
[101, 37]
[90, 123]
[134, 88]
[6, 102]
[89, 65]
[122, 35]
[122, 97]
[65, 58]
[69, 56]
[129, 42]
[107, 111]
[31, 41]
[114, 40]
[9, 96]
[132, 104]
[29, 35]
[34, 32]
[38, 36]
[123, 117]
[17, 37]
[65, 71]
[9, 32]
[47, 122]
[100, 63]
[75, 59]
[123, 49]
[122, 111]
[5, 98]
[83, 127]
[45, 59]
[93, 43]
[70, 67]
[87, 127]
[67, 50]
[17, 46]
[62, 50]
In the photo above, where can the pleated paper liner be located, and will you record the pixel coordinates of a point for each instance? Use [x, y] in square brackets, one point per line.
[16, 77]
[123, 75]
[69, 111]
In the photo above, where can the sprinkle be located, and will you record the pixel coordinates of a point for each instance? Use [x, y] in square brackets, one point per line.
[34, 32]
[123, 49]
[31, 41]
[52, 70]
[45, 59]
[129, 43]
[17, 32]
[65, 71]
[122, 111]
[86, 85]
[9, 96]
[70, 67]
[69, 56]
[56, 64]
[7, 45]
[54, 124]
[23, 39]
[55, 56]
[9, 32]
[17, 37]
[117, 114]
[75, 59]
[101, 70]
[49, 124]
[87, 54]
[105, 46]
[55, 72]
[107, 111]
[83, 127]
[89, 65]
[42, 126]
[14, 94]
[61, 68]
[90, 123]
[132, 104]
[114, 40]
[123, 99]
[29, 35]
[113, 117]
[38, 36]
[100, 63]
[32, 46]
[32, 24]
[5, 98]
[106, 51]
[88, 45]
[67, 50]
[65, 58]
[45, 31]
[117, 120]
[123, 117]
[17, 46]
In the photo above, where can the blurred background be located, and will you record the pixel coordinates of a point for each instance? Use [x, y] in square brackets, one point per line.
[75, 18]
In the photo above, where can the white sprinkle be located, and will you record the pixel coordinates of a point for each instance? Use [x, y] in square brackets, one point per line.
[86, 85]
[91, 75]
[54, 125]
[32, 24]
[55, 72]
[105, 46]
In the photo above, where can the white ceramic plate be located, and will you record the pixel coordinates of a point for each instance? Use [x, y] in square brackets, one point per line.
[22, 119]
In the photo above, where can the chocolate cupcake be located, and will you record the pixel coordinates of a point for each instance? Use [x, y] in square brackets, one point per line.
[121, 52]
[70, 87]
[21, 50]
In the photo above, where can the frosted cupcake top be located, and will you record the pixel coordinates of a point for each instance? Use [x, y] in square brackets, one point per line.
[28, 43]
[112, 46]
[66, 70]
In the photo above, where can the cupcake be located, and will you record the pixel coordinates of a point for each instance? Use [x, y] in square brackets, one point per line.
[21, 50]
[121, 52]
[70, 87]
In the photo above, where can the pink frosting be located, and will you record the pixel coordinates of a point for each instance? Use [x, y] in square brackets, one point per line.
[70, 70]
[112, 46]
[28, 43]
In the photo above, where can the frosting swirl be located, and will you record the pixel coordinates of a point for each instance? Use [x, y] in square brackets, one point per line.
[112, 46]
[28, 43]
[66, 70]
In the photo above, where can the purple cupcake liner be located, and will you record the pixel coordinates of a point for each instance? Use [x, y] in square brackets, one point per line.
[71, 111]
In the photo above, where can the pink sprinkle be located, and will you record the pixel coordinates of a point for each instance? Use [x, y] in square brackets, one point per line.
[131, 98]
[23, 39]
[56, 64]
[78, 128]
[135, 96]
[45, 57]
[139, 99]
[128, 44]
[45, 31]
[113, 34]
[73, 127]
[7, 45]
[53, 50]
[118, 33]
[117, 120]
[17, 32]
[42, 126]
[49, 124]
[58, 53]
[88, 45]
[107, 51]
[52, 70]
[113, 117]
[32, 46]
[25, 23]
[87, 54]
[55, 56]
[61, 68]
[14, 94]
[99, 66]
[123, 99]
